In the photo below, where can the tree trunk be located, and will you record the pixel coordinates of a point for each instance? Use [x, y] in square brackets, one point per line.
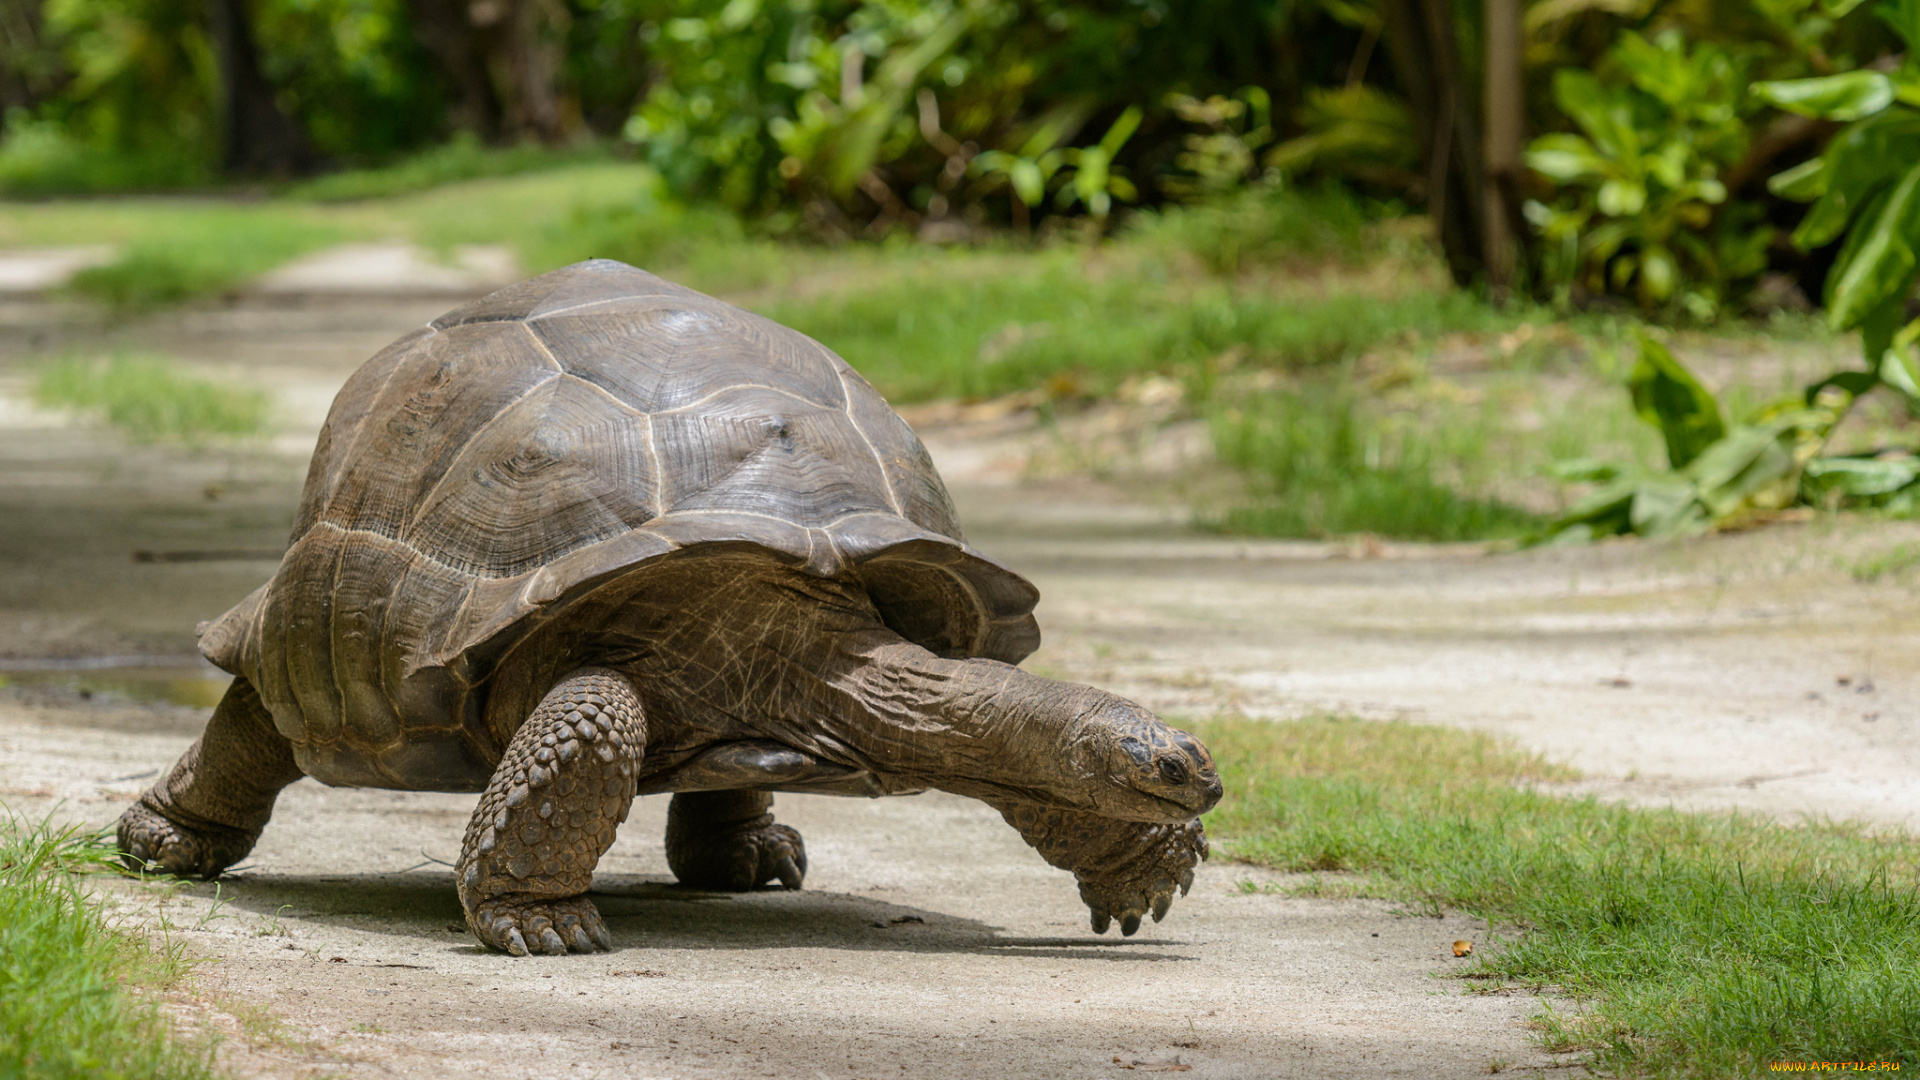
[1424, 50]
[502, 59]
[258, 138]
[1505, 110]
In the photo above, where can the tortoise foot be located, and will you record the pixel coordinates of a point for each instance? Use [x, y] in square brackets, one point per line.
[521, 924]
[739, 857]
[1146, 882]
[150, 840]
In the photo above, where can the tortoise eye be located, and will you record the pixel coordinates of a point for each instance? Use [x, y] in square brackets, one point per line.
[1172, 771]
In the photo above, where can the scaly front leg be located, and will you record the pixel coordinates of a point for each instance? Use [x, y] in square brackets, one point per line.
[1125, 868]
[564, 786]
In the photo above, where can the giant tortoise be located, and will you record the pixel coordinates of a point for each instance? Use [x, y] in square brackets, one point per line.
[598, 535]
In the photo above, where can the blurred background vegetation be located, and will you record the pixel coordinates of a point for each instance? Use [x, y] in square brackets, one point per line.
[1063, 197]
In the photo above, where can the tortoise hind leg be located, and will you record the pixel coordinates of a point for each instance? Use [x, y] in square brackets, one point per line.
[727, 840]
[563, 787]
[207, 813]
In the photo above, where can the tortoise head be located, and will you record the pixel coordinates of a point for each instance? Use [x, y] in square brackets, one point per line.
[1150, 770]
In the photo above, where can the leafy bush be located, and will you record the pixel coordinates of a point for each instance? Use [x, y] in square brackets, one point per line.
[1866, 187]
[40, 158]
[1640, 210]
[854, 111]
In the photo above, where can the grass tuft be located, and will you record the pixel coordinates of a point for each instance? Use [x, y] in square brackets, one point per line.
[1699, 944]
[200, 255]
[982, 326]
[1261, 226]
[151, 401]
[74, 990]
[1322, 465]
[464, 157]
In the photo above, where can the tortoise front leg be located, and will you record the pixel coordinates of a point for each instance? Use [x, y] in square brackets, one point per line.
[564, 786]
[207, 813]
[729, 840]
[1126, 869]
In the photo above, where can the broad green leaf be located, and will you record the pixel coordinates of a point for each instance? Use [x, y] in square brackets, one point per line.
[1804, 182]
[1606, 512]
[1904, 17]
[1666, 395]
[1849, 96]
[1622, 198]
[1852, 383]
[1877, 330]
[1584, 471]
[1658, 273]
[1838, 9]
[1027, 181]
[1599, 113]
[1882, 271]
[1666, 507]
[1856, 240]
[1122, 130]
[1861, 478]
[1565, 157]
[1734, 470]
[1861, 161]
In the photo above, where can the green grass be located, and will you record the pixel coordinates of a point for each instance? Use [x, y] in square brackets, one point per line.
[150, 400]
[204, 254]
[1321, 463]
[77, 994]
[1261, 226]
[1695, 944]
[984, 324]
[1898, 562]
[464, 157]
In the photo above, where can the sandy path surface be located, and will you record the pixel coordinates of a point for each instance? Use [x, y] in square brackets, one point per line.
[1706, 673]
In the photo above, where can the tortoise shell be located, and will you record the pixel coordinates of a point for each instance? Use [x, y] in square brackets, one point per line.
[482, 477]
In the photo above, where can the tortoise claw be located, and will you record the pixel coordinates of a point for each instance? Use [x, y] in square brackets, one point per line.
[520, 925]
[1101, 920]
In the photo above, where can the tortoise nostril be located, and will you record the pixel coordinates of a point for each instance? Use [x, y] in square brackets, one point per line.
[1173, 771]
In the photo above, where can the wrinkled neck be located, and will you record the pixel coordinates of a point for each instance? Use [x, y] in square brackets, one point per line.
[974, 727]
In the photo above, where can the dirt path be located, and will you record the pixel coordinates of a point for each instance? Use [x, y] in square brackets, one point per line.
[1703, 672]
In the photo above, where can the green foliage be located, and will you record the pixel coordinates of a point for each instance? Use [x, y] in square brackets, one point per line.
[1697, 944]
[846, 110]
[1220, 157]
[1270, 224]
[71, 1001]
[1354, 132]
[1719, 473]
[149, 400]
[1323, 465]
[649, 229]
[139, 101]
[199, 256]
[463, 157]
[1641, 182]
[41, 158]
[1666, 395]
